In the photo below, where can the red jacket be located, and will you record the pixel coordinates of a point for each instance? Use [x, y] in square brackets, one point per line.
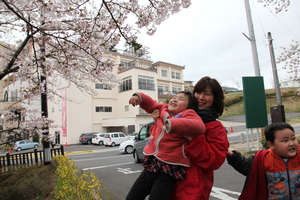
[207, 153]
[168, 145]
[271, 178]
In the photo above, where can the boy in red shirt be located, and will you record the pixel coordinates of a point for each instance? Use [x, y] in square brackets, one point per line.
[273, 173]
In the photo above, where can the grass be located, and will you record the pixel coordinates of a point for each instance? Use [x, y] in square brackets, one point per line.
[234, 102]
[32, 183]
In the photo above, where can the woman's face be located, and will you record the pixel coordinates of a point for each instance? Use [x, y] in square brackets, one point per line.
[205, 98]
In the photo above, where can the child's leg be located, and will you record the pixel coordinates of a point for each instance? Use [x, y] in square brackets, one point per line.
[162, 187]
[142, 186]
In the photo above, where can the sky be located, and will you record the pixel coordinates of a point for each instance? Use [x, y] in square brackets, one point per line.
[207, 39]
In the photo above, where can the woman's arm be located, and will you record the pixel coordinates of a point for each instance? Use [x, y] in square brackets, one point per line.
[209, 151]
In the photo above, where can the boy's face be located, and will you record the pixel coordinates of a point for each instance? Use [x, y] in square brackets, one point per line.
[178, 103]
[285, 143]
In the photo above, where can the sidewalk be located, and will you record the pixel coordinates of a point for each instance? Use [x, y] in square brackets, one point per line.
[253, 145]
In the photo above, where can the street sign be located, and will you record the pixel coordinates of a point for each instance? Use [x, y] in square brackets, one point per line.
[255, 102]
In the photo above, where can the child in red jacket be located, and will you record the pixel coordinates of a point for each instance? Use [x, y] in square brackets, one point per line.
[165, 160]
[272, 173]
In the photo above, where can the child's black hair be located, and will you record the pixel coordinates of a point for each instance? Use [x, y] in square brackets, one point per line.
[192, 102]
[270, 130]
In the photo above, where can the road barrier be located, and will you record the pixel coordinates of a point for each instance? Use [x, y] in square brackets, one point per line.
[27, 158]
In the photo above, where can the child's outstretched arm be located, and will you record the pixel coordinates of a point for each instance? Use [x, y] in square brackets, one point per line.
[187, 124]
[145, 102]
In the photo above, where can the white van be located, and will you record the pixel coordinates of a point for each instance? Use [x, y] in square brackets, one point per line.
[98, 138]
[115, 138]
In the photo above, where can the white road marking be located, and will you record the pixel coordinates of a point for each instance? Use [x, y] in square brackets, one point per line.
[221, 193]
[128, 170]
[102, 158]
[105, 166]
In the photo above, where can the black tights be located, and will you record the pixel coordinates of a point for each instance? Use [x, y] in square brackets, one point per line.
[158, 185]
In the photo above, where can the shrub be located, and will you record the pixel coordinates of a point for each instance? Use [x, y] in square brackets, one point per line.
[71, 186]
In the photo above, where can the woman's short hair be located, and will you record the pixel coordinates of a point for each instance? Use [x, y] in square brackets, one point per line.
[213, 84]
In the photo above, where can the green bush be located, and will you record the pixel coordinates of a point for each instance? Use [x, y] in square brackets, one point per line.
[70, 185]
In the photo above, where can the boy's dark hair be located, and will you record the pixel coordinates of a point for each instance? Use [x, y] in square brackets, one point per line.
[191, 103]
[270, 130]
[207, 82]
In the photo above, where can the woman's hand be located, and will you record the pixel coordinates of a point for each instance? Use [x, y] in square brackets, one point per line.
[134, 100]
[155, 114]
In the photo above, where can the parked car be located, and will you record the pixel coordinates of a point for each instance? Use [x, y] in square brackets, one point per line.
[98, 138]
[140, 142]
[115, 138]
[127, 146]
[86, 138]
[25, 144]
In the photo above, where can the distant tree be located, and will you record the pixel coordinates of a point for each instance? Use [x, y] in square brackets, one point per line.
[135, 45]
[278, 5]
[290, 55]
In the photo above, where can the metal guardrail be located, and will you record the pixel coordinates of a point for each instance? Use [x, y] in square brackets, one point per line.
[26, 158]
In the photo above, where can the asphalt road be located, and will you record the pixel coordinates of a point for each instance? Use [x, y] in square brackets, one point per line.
[118, 172]
[241, 118]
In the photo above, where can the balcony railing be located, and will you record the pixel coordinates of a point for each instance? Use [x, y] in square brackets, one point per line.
[141, 53]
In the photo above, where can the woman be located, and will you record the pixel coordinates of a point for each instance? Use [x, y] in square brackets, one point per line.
[207, 152]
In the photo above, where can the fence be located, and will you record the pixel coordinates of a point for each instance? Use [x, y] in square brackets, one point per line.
[27, 158]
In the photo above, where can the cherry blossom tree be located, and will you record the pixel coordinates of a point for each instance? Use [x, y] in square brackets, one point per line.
[290, 55]
[69, 38]
[278, 5]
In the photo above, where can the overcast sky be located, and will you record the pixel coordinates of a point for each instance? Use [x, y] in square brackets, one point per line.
[207, 39]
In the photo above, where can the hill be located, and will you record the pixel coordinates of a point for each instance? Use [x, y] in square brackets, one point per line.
[234, 102]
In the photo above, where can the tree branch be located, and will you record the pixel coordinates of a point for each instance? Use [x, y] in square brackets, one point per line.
[8, 69]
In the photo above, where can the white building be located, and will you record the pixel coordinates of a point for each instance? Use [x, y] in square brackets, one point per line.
[108, 110]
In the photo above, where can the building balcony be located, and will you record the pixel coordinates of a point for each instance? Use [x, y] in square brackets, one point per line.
[141, 53]
[135, 65]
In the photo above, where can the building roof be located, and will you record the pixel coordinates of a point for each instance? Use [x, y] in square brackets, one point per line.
[168, 64]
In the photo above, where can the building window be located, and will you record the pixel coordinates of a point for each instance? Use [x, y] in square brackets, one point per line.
[175, 90]
[124, 65]
[103, 109]
[103, 86]
[162, 89]
[164, 73]
[175, 75]
[142, 112]
[126, 108]
[126, 84]
[146, 82]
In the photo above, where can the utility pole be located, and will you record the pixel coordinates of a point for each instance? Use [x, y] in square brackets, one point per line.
[274, 69]
[251, 38]
[277, 112]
